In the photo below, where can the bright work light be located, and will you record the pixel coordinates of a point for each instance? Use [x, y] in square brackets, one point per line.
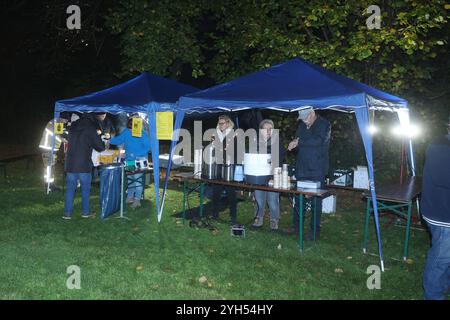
[373, 129]
[410, 131]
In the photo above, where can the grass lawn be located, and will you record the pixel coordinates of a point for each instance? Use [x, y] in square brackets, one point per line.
[141, 259]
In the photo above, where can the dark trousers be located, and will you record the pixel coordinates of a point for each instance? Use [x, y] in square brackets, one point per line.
[232, 201]
[318, 204]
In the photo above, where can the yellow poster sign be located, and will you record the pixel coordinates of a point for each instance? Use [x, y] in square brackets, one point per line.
[59, 128]
[136, 127]
[164, 125]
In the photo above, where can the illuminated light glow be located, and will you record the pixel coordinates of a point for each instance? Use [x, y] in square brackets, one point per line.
[410, 131]
[373, 129]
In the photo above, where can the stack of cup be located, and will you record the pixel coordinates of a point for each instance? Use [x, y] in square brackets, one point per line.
[277, 178]
[285, 181]
[198, 157]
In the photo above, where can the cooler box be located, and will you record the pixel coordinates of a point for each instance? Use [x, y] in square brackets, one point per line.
[110, 189]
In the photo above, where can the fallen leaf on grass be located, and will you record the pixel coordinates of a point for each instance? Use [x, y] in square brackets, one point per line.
[215, 232]
[279, 246]
[409, 261]
[202, 279]
[338, 270]
[210, 285]
[140, 267]
[349, 258]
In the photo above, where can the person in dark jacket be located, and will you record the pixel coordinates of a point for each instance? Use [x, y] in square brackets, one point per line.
[226, 153]
[83, 138]
[312, 143]
[265, 145]
[435, 208]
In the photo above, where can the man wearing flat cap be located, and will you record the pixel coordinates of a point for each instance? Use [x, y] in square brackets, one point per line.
[435, 209]
[311, 143]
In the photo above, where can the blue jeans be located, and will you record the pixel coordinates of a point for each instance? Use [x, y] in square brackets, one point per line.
[135, 186]
[71, 183]
[436, 277]
[272, 198]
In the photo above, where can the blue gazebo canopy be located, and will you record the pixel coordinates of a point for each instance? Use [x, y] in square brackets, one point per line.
[298, 84]
[145, 93]
[289, 86]
[131, 96]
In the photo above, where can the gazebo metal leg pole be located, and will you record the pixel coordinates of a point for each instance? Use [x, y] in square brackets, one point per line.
[300, 217]
[202, 189]
[122, 190]
[366, 225]
[184, 199]
[408, 224]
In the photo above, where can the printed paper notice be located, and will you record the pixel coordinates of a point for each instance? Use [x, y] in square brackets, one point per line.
[59, 128]
[164, 125]
[136, 127]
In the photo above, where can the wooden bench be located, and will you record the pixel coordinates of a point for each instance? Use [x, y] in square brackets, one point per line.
[13, 153]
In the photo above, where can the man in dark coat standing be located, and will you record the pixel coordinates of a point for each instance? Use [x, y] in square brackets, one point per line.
[312, 143]
[83, 138]
[435, 208]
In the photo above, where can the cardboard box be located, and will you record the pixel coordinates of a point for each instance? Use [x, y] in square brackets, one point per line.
[342, 177]
[329, 204]
[361, 178]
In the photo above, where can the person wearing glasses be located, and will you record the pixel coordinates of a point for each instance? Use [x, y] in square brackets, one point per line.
[267, 145]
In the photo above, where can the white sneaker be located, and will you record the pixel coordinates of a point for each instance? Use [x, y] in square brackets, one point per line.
[136, 204]
[274, 224]
[258, 222]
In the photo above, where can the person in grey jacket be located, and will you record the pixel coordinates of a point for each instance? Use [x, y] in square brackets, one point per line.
[311, 143]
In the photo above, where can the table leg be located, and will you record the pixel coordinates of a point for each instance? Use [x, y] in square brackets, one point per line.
[300, 218]
[202, 189]
[315, 218]
[408, 224]
[122, 191]
[366, 225]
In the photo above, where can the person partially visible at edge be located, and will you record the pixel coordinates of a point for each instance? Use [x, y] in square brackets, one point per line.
[435, 209]
[312, 144]
[83, 138]
[45, 145]
[265, 143]
[226, 140]
[136, 148]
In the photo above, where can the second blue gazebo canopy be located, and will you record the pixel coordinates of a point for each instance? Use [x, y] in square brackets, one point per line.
[298, 84]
